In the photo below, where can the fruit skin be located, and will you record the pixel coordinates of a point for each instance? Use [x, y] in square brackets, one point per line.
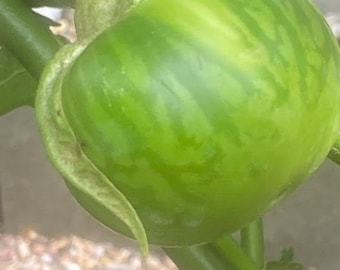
[205, 114]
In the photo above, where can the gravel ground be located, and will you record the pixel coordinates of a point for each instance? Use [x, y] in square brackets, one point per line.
[32, 251]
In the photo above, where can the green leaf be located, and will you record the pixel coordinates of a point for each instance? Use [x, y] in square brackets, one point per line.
[286, 262]
[17, 86]
[89, 186]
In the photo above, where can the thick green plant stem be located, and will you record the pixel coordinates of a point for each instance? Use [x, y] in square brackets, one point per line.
[233, 254]
[253, 243]
[21, 32]
[196, 257]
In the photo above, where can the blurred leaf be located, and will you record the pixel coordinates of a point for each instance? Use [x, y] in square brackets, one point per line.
[287, 255]
[334, 153]
[17, 86]
[286, 262]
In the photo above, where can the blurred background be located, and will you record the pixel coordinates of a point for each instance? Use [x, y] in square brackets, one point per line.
[35, 196]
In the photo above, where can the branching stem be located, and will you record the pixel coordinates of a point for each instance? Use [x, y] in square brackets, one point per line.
[26, 37]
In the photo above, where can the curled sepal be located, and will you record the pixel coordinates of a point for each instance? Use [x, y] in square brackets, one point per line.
[94, 16]
[89, 186]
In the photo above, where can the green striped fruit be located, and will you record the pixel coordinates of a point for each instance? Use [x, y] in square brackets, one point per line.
[206, 113]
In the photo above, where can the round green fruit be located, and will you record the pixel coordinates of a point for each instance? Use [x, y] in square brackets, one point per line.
[206, 113]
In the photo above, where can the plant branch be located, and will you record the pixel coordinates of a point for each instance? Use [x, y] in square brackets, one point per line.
[22, 33]
[253, 243]
[233, 254]
[17, 86]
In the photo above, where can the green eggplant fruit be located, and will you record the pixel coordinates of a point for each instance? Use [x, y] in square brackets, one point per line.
[204, 114]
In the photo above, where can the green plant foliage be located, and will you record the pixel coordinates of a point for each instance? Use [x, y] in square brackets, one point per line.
[17, 86]
[286, 262]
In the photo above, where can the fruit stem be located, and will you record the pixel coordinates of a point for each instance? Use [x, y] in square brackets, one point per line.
[233, 254]
[252, 241]
[196, 257]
